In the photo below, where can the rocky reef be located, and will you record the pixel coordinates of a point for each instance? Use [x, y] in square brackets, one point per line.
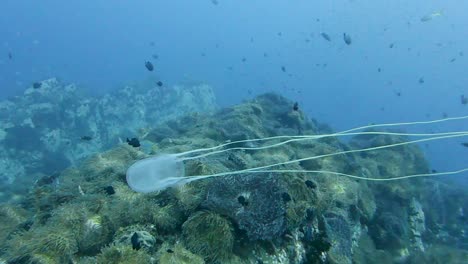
[56, 125]
[88, 214]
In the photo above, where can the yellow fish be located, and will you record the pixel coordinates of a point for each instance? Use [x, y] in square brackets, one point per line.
[431, 16]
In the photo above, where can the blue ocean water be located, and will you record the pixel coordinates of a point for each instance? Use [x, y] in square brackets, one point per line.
[397, 68]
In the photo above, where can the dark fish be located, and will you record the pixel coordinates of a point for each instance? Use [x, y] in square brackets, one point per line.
[47, 180]
[465, 144]
[391, 45]
[86, 138]
[152, 44]
[244, 59]
[426, 18]
[214, 2]
[460, 53]
[149, 66]
[280, 34]
[296, 106]
[159, 83]
[310, 184]
[109, 190]
[134, 142]
[10, 56]
[463, 99]
[379, 70]
[37, 85]
[242, 200]
[347, 39]
[283, 68]
[155, 56]
[136, 245]
[325, 36]
[453, 59]
[421, 80]
[169, 250]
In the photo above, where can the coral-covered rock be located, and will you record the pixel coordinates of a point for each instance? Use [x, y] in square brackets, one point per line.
[48, 129]
[253, 201]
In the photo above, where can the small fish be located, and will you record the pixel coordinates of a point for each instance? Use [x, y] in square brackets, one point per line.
[244, 59]
[37, 85]
[136, 245]
[10, 56]
[391, 45]
[453, 59]
[134, 142]
[242, 200]
[296, 106]
[431, 16]
[159, 83]
[283, 68]
[149, 66]
[421, 80]
[214, 2]
[86, 138]
[465, 144]
[325, 36]
[152, 44]
[463, 99]
[347, 39]
[109, 190]
[169, 250]
[155, 56]
[310, 184]
[379, 69]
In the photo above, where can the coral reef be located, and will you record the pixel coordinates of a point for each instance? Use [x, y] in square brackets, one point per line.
[48, 129]
[88, 214]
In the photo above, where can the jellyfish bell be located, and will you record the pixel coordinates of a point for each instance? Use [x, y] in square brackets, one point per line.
[155, 173]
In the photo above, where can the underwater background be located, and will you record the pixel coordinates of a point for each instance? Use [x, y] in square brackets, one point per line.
[90, 87]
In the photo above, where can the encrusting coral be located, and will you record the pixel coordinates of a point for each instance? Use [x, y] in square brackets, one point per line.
[209, 234]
